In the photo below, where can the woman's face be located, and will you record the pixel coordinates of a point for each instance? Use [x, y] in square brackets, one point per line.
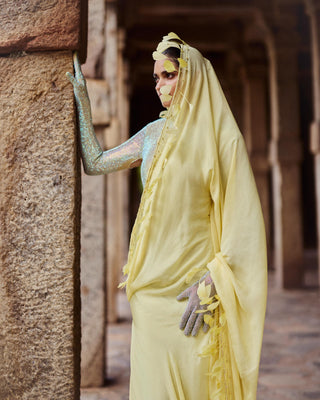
[164, 78]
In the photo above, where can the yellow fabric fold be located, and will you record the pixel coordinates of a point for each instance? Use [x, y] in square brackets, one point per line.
[199, 211]
[239, 269]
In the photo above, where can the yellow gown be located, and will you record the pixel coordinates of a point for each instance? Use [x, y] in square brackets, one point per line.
[199, 211]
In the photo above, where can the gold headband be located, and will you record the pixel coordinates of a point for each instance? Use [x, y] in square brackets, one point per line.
[170, 40]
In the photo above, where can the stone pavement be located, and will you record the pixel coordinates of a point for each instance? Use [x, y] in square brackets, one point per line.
[290, 362]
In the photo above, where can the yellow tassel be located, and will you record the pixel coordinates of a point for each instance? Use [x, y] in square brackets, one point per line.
[217, 350]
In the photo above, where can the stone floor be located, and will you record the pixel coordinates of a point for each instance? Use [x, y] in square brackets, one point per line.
[290, 362]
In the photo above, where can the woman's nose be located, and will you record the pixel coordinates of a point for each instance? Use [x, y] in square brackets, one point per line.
[159, 84]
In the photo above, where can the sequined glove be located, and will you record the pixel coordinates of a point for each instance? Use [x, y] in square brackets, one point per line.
[79, 87]
[90, 147]
[200, 295]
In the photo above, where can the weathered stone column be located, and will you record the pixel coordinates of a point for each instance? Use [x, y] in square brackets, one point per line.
[39, 203]
[313, 9]
[111, 139]
[285, 155]
[123, 116]
[93, 260]
[116, 133]
[255, 124]
[93, 295]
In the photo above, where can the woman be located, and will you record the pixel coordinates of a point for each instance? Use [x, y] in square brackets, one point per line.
[199, 232]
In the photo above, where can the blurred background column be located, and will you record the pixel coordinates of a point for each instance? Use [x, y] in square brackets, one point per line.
[104, 223]
[234, 86]
[256, 130]
[93, 257]
[286, 150]
[116, 183]
[313, 10]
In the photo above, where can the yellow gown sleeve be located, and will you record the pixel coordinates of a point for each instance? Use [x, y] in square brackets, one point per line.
[239, 268]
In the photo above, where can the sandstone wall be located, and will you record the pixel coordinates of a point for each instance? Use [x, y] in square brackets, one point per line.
[43, 25]
[39, 229]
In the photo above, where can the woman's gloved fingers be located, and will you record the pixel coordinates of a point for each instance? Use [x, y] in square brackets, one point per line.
[205, 328]
[77, 68]
[191, 321]
[186, 316]
[184, 295]
[71, 78]
[197, 325]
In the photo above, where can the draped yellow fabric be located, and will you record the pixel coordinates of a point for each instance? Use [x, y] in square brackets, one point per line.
[199, 211]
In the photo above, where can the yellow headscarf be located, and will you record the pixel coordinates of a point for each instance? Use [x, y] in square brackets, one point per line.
[201, 140]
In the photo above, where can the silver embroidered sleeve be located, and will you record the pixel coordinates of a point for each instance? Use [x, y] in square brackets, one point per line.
[96, 161]
[122, 156]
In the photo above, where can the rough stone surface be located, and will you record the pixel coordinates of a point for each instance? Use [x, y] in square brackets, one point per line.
[39, 230]
[93, 297]
[39, 25]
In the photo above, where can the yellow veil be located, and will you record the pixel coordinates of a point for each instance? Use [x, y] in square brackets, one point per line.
[201, 141]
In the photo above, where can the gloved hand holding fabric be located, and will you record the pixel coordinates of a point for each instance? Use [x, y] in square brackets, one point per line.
[192, 319]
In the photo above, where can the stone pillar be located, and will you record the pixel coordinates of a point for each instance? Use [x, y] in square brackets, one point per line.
[112, 182]
[93, 265]
[39, 203]
[285, 155]
[116, 183]
[256, 126]
[123, 117]
[93, 296]
[313, 9]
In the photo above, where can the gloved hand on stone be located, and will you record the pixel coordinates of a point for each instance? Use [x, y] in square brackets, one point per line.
[80, 90]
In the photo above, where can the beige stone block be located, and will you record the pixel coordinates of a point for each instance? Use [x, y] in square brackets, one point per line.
[93, 298]
[116, 223]
[99, 98]
[113, 245]
[40, 25]
[112, 134]
[96, 38]
[288, 226]
[317, 187]
[39, 230]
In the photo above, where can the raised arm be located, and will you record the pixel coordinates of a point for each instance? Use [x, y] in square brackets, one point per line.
[95, 161]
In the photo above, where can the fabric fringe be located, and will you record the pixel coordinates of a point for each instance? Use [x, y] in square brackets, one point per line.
[217, 349]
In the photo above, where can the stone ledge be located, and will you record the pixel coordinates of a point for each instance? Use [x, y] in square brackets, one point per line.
[51, 25]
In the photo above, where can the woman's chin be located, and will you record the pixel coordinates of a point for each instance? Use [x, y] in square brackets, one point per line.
[166, 104]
